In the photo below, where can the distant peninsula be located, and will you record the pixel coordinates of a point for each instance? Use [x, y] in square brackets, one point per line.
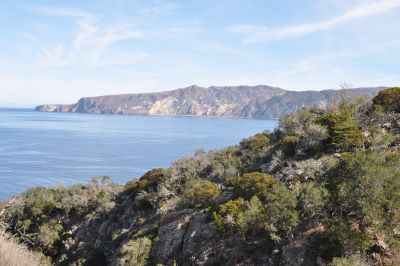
[264, 102]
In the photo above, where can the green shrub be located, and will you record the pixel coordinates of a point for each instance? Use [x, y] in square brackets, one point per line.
[312, 142]
[40, 202]
[276, 214]
[223, 164]
[252, 184]
[201, 194]
[280, 211]
[366, 186]
[255, 143]
[301, 133]
[296, 124]
[49, 236]
[149, 181]
[252, 152]
[388, 100]
[230, 218]
[344, 132]
[42, 216]
[255, 218]
[313, 200]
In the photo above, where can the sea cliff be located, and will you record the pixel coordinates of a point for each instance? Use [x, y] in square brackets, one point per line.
[231, 101]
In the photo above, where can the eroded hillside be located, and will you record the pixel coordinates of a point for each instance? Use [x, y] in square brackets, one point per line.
[232, 101]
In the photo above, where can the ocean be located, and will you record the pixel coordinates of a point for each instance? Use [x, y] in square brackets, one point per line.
[50, 149]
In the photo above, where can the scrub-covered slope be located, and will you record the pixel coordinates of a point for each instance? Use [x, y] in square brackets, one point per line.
[322, 189]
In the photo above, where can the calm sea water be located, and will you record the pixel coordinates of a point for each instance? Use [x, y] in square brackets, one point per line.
[45, 149]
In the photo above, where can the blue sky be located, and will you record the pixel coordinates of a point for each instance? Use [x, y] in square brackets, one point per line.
[58, 51]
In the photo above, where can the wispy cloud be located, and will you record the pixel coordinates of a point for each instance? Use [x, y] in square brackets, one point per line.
[58, 11]
[380, 48]
[159, 7]
[256, 33]
[185, 30]
[328, 69]
[90, 43]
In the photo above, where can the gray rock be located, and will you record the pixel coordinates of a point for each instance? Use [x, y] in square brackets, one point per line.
[198, 235]
[387, 126]
[337, 155]
[172, 233]
[296, 254]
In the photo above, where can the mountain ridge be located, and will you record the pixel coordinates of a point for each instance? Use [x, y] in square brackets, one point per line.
[259, 101]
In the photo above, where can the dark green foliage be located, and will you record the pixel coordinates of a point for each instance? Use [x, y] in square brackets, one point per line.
[40, 202]
[230, 218]
[86, 257]
[344, 132]
[271, 207]
[280, 211]
[326, 244]
[149, 181]
[252, 152]
[201, 194]
[289, 144]
[313, 200]
[366, 203]
[388, 100]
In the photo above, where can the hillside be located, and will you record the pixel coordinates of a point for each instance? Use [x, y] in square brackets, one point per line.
[322, 189]
[237, 101]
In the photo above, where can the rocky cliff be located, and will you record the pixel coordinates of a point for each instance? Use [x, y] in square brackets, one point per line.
[236, 101]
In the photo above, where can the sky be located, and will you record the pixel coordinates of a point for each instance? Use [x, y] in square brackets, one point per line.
[59, 51]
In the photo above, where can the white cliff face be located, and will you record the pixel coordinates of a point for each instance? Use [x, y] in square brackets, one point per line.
[237, 101]
[166, 106]
[53, 108]
[50, 108]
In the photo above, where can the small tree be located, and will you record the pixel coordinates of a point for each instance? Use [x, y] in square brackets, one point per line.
[344, 132]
